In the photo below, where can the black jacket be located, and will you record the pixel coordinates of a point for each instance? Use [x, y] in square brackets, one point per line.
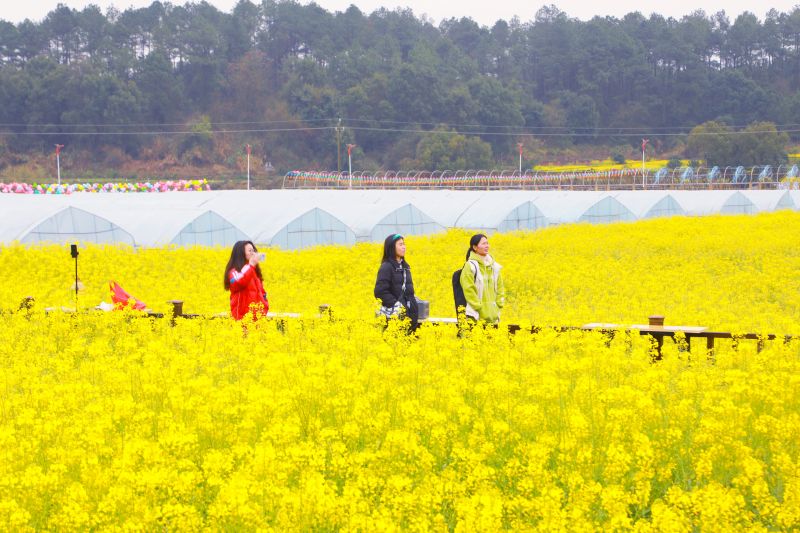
[389, 286]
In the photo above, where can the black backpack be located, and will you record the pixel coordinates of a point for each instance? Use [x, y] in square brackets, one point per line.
[458, 292]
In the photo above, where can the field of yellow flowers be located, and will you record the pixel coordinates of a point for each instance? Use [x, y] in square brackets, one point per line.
[724, 272]
[604, 165]
[111, 421]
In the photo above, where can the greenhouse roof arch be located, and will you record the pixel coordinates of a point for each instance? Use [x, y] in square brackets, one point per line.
[738, 204]
[405, 220]
[446, 207]
[209, 229]
[20, 213]
[72, 224]
[489, 211]
[795, 195]
[313, 228]
[373, 214]
[608, 209]
[152, 219]
[665, 207]
[699, 203]
[526, 216]
[566, 207]
[765, 201]
[650, 204]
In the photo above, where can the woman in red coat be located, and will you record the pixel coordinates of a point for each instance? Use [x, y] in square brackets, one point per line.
[243, 278]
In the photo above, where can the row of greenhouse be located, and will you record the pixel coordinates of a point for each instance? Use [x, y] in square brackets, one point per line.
[293, 219]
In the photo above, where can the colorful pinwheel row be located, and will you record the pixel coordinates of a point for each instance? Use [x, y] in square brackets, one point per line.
[119, 187]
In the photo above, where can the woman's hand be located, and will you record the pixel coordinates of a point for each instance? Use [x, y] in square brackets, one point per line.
[253, 260]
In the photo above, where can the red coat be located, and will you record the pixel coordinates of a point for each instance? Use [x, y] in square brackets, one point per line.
[246, 291]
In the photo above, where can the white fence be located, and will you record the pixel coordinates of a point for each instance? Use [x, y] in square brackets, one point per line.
[758, 177]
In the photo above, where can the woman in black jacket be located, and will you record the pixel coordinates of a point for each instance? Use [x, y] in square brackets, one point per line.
[394, 286]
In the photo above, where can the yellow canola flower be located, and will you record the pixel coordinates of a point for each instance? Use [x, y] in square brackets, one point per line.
[116, 421]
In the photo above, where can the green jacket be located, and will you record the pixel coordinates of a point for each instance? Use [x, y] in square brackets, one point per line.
[483, 288]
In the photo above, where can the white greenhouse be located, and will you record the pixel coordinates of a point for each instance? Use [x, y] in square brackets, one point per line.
[74, 224]
[566, 207]
[765, 201]
[293, 219]
[209, 229]
[650, 204]
[502, 211]
[373, 214]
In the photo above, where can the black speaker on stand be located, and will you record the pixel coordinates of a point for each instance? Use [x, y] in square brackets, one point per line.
[73, 250]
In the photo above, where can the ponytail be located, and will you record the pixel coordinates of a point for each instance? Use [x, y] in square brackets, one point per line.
[473, 241]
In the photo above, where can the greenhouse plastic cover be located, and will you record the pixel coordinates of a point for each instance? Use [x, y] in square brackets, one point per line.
[300, 218]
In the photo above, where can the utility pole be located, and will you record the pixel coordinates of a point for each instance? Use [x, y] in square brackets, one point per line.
[644, 176]
[350, 163]
[339, 145]
[58, 161]
[519, 146]
[248, 167]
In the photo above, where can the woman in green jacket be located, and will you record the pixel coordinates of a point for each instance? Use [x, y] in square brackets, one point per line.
[482, 282]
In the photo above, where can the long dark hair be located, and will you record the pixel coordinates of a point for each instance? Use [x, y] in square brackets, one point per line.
[473, 241]
[238, 261]
[389, 253]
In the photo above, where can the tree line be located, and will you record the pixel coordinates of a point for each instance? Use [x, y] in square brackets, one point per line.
[299, 83]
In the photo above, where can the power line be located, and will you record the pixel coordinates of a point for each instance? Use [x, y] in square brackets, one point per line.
[620, 130]
[582, 132]
[531, 129]
[155, 133]
[567, 134]
[148, 124]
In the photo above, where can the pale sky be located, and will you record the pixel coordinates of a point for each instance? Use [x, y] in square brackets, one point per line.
[482, 11]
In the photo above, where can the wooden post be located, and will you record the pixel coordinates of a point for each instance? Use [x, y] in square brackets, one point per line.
[26, 304]
[326, 311]
[659, 343]
[177, 309]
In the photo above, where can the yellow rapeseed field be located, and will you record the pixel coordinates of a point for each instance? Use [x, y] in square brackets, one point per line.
[651, 165]
[724, 272]
[112, 421]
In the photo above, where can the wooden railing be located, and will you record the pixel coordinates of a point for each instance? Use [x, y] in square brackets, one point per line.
[655, 327]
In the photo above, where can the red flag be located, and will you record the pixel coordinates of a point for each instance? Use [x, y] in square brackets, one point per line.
[121, 298]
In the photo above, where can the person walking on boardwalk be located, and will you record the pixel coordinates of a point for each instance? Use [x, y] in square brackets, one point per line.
[482, 283]
[394, 285]
[244, 281]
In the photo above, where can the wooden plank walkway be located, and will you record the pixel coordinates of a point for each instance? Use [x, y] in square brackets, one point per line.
[655, 327]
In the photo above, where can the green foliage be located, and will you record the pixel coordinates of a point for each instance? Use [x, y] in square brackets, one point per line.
[711, 141]
[281, 65]
[195, 147]
[447, 150]
[164, 99]
[759, 143]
